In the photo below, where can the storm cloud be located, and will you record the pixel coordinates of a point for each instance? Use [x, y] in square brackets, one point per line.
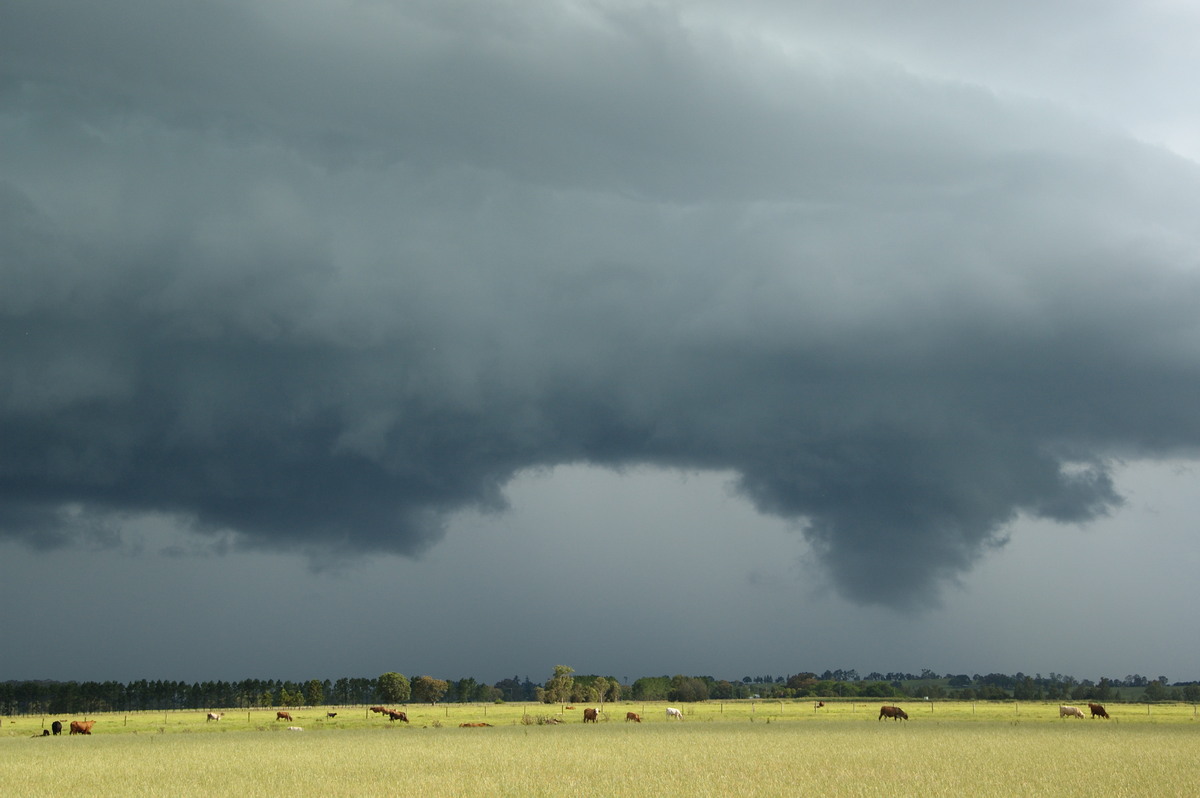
[321, 277]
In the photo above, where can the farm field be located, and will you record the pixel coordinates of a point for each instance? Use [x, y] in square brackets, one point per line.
[720, 749]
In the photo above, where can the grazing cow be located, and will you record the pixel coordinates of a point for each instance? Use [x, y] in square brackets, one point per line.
[635, 717]
[819, 705]
[1063, 711]
[331, 714]
[570, 707]
[591, 713]
[473, 725]
[214, 716]
[56, 726]
[283, 716]
[45, 733]
[1098, 710]
[82, 726]
[378, 710]
[895, 713]
[672, 712]
[396, 715]
[295, 728]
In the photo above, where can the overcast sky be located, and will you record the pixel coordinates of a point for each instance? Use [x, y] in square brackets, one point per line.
[725, 338]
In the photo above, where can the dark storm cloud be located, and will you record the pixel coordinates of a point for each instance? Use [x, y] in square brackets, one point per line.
[322, 276]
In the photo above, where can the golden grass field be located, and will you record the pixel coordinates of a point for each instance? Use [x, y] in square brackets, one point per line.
[720, 749]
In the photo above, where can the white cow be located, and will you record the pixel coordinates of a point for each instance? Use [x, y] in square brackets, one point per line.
[214, 715]
[295, 728]
[1063, 711]
[672, 712]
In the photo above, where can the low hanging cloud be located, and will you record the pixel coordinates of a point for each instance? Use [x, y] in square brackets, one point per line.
[323, 281]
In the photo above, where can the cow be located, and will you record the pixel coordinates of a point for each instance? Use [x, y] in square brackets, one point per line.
[633, 716]
[283, 716]
[1098, 711]
[672, 712]
[56, 726]
[45, 733]
[82, 726]
[331, 714]
[1063, 711]
[895, 713]
[295, 728]
[378, 710]
[592, 714]
[473, 725]
[395, 715]
[818, 705]
[214, 716]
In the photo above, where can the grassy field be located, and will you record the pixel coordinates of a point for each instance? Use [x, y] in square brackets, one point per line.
[734, 748]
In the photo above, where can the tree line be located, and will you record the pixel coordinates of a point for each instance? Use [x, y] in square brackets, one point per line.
[564, 686]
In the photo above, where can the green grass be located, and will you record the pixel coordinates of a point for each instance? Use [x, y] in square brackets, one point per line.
[734, 748]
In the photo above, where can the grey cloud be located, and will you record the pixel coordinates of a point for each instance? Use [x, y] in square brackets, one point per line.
[328, 311]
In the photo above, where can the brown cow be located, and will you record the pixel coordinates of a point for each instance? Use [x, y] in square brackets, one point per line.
[283, 716]
[633, 716]
[396, 715]
[895, 713]
[82, 726]
[378, 710]
[819, 705]
[1098, 710]
[592, 714]
[473, 725]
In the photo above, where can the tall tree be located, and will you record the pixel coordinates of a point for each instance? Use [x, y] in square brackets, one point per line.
[393, 688]
[314, 693]
[427, 690]
[558, 689]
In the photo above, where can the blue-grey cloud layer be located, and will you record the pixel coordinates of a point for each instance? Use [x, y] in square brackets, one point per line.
[324, 277]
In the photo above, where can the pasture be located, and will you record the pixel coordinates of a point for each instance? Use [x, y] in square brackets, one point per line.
[719, 749]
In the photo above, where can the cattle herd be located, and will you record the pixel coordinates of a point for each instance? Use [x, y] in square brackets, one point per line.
[590, 715]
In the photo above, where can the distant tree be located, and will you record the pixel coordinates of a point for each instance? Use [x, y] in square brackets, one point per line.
[393, 688]
[688, 688]
[722, 690]
[1155, 691]
[1191, 693]
[314, 693]
[600, 685]
[614, 691]
[427, 690]
[465, 689]
[558, 688]
[1026, 690]
[802, 681]
[876, 689]
[651, 688]
[510, 689]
